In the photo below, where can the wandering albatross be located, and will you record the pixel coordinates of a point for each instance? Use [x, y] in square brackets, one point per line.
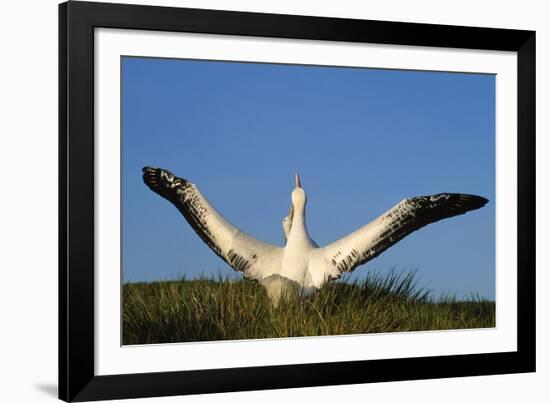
[301, 264]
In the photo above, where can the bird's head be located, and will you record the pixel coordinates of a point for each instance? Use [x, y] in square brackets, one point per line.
[298, 197]
[287, 221]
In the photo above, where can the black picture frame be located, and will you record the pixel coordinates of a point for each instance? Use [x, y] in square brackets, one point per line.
[77, 21]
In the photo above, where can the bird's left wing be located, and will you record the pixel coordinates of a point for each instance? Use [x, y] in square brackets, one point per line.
[407, 216]
[241, 251]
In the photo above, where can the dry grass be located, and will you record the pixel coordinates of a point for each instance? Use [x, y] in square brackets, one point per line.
[222, 309]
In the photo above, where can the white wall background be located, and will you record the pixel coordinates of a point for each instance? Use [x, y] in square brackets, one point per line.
[28, 198]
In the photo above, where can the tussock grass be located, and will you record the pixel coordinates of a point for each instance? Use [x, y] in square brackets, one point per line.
[223, 309]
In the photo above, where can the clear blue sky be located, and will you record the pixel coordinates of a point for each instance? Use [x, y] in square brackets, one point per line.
[361, 139]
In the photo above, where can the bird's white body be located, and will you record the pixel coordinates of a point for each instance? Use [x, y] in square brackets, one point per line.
[301, 264]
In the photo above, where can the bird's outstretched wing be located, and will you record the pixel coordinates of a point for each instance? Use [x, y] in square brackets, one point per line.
[239, 250]
[407, 216]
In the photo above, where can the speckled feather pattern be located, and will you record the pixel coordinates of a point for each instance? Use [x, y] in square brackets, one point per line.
[403, 219]
[236, 248]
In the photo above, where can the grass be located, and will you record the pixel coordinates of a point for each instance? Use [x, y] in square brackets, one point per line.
[222, 309]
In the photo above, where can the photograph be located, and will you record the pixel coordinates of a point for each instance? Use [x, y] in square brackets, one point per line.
[265, 200]
[254, 200]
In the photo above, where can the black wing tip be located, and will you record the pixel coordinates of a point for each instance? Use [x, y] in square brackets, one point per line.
[151, 177]
[452, 203]
[162, 181]
[472, 202]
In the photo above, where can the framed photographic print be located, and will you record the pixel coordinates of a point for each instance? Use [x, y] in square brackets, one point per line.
[257, 201]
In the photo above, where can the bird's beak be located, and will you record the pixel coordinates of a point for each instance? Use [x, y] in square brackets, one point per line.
[298, 181]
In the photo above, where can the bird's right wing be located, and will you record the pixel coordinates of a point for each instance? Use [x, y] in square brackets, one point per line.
[407, 216]
[241, 251]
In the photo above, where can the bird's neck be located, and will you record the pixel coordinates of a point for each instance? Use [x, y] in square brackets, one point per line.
[298, 236]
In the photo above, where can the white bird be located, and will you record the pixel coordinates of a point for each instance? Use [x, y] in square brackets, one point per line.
[301, 264]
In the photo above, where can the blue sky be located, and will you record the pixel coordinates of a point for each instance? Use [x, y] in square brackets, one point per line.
[361, 139]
